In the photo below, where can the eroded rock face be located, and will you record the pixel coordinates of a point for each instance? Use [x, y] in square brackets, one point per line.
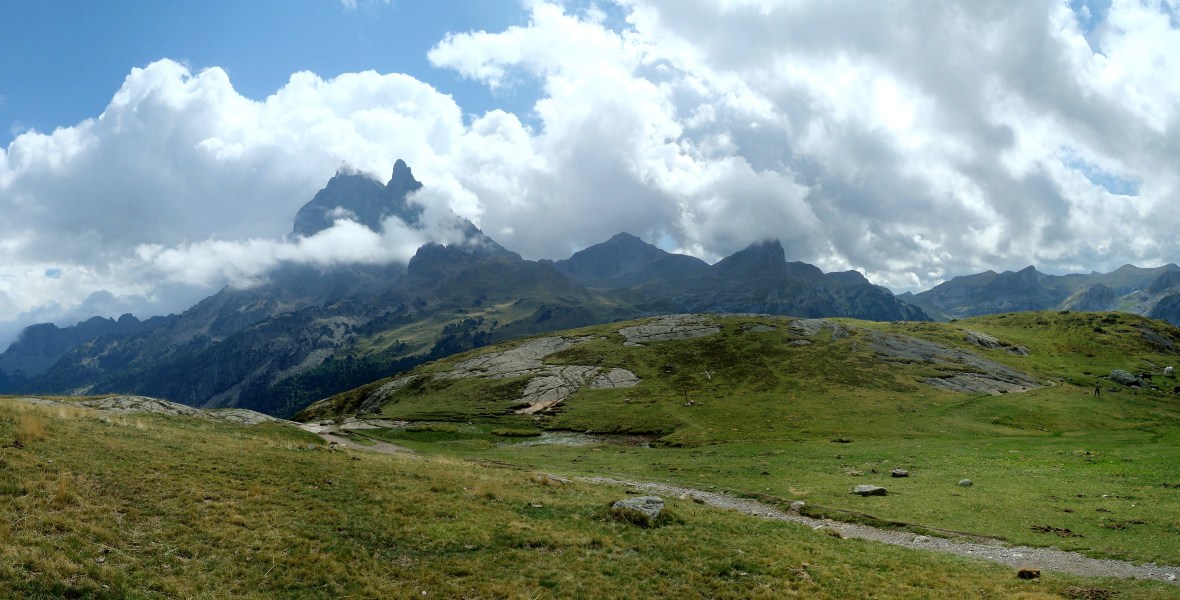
[672, 327]
[965, 372]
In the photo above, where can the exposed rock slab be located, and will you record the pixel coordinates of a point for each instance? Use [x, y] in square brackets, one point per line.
[145, 404]
[614, 378]
[672, 327]
[548, 385]
[984, 340]
[813, 327]
[140, 404]
[377, 397]
[242, 416]
[965, 371]
[552, 385]
[514, 362]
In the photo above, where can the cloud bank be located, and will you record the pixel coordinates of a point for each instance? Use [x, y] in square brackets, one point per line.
[911, 142]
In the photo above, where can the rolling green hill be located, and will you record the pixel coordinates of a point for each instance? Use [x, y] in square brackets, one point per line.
[101, 505]
[786, 410]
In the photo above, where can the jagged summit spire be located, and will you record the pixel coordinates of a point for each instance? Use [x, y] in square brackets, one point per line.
[402, 181]
[355, 195]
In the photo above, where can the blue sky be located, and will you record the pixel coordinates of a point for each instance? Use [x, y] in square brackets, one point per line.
[61, 61]
[153, 152]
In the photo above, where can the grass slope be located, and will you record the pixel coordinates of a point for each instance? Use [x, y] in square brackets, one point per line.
[783, 422]
[103, 506]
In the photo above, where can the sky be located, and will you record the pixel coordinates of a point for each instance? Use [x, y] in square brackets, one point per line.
[152, 153]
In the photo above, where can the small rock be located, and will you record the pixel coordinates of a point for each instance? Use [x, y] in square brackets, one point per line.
[642, 511]
[796, 506]
[899, 473]
[921, 539]
[869, 490]
[966, 483]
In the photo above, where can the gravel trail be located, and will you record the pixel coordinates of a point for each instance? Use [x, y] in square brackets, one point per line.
[1046, 559]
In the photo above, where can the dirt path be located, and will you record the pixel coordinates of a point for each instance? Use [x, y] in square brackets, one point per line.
[333, 434]
[375, 446]
[1046, 559]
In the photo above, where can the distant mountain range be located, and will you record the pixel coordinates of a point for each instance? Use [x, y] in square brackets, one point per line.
[309, 333]
[1150, 292]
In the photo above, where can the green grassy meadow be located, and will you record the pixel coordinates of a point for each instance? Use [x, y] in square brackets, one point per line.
[97, 505]
[785, 422]
[102, 506]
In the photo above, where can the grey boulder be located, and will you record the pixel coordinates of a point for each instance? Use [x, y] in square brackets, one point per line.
[643, 510]
[869, 490]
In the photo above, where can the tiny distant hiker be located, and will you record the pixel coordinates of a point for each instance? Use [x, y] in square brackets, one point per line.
[1098, 389]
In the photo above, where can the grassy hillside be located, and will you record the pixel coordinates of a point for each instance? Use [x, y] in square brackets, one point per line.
[106, 506]
[763, 410]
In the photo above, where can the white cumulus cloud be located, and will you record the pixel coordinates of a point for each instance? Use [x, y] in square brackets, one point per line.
[913, 142]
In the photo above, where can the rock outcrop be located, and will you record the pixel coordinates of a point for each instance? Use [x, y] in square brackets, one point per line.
[644, 511]
[964, 371]
[144, 404]
[1122, 377]
[548, 385]
[672, 327]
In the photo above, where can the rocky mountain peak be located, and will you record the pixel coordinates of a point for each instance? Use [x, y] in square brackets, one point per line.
[617, 257]
[402, 182]
[357, 197]
[758, 259]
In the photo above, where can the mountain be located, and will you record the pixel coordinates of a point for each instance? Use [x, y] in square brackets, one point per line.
[307, 332]
[40, 346]
[757, 279]
[1129, 289]
[355, 196]
[625, 260]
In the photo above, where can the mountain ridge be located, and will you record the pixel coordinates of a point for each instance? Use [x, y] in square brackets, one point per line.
[308, 332]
